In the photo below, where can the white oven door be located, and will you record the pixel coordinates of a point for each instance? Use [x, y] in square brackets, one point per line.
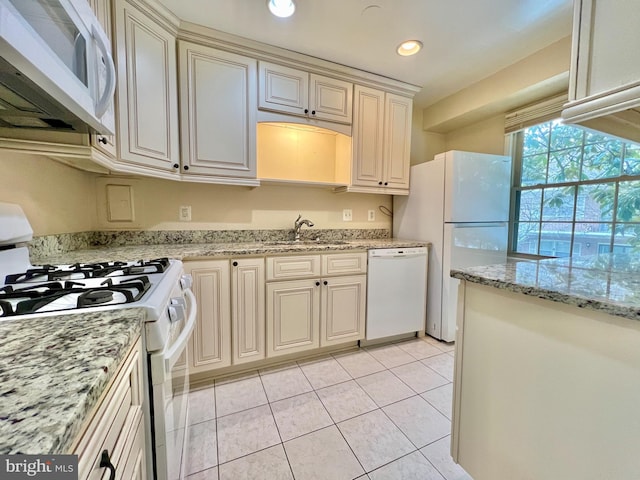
[170, 393]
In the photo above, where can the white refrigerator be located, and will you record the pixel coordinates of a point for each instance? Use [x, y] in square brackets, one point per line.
[460, 203]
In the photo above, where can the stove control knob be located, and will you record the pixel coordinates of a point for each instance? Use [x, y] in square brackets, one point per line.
[186, 281]
[177, 309]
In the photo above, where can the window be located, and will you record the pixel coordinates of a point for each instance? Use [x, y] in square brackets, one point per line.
[576, 192]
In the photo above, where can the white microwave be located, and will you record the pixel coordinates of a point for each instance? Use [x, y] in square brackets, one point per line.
[56, 69]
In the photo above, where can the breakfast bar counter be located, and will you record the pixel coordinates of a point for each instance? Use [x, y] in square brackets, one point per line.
[547, 372]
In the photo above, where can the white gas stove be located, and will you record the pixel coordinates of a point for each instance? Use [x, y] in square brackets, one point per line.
[159, 286]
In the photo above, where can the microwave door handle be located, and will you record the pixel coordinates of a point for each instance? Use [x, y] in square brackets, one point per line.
[103, 103]
[171, 357]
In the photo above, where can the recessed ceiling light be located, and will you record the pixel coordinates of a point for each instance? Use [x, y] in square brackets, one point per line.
[410, 47]
[281, 8]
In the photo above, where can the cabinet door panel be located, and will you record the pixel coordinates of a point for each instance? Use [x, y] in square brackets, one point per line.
[330, 99]
[211, 339]
[247, 312]
[343, 310]
[293, 316]
[218, 105]
[368, 127]
[397, 140]
[146, 90]
[283, 89]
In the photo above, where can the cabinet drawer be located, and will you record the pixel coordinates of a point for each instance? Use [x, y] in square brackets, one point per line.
[299, 266]
[344, 263]
[112, 421]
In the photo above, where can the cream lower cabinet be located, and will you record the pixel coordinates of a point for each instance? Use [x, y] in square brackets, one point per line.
[247, 310]
[343, 309]
[211, 339]
[117, 426]
[318, 305]
[293, 316]
[230, 327]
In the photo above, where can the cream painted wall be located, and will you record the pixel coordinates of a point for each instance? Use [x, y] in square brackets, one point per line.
[486, 136]
[56, 198]
[424, 145]
[60, 199]
[222, 207]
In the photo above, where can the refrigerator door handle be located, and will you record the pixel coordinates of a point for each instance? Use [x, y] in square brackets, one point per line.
[477, 225]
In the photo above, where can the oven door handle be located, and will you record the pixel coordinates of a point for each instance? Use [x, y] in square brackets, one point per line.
[172, 355]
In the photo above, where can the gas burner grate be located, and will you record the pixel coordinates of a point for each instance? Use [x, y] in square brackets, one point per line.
[33, 298]
[90, 270]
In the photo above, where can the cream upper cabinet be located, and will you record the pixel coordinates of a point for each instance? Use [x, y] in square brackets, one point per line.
[604, 82]
[218, 113]
[247, 309]
[381, 142]
[147, 93]
[211, 340]
[397, 141]
[289, 90]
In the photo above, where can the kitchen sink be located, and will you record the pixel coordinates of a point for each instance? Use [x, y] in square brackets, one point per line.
[305, 242]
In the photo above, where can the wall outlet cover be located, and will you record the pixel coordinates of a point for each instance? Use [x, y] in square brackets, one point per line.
[371, 215]
[185, 213]
[347, 215]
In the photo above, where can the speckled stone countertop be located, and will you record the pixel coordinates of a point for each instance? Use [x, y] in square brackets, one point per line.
[53, 370]
[607, 283]
[209, 250]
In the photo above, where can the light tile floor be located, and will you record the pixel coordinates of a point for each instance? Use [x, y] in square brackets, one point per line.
[381, 413]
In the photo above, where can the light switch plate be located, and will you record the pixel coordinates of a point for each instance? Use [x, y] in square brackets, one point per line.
[347, 215]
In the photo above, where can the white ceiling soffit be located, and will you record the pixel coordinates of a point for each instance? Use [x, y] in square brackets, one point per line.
[464, 40]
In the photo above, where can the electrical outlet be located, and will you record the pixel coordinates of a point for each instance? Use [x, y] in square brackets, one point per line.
[185, 213]
[371, 215]
[347, 215]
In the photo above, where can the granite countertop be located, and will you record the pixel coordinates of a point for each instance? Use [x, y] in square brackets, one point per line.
[211, 250]
[608, 283]
[53, 370]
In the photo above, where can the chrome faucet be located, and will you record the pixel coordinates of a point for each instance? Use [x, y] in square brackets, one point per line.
[298, 225]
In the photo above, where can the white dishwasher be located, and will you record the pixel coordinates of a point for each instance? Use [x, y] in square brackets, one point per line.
[396, 291]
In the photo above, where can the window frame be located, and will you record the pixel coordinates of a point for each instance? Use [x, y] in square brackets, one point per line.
[515, 145]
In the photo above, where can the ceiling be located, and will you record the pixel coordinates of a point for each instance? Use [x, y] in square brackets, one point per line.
[464, 40]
